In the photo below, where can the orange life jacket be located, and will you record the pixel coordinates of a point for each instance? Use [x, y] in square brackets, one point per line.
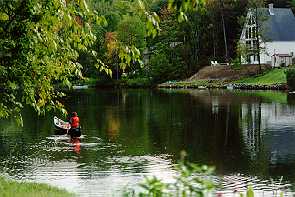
[75, 121]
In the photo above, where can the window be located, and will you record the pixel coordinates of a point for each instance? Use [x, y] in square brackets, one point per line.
[251, 20]
[253, 32]
[248, 44]
[247, 32]
[248, 58]
[256, 58]
[255, 43]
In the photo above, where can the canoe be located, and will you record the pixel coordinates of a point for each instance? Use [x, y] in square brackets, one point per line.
[60, 124]
[65, 128]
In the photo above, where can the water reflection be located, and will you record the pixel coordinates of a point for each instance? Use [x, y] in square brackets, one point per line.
[112, 124]
[77, 144]
[247, 135]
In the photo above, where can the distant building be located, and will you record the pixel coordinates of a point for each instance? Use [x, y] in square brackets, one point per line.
[276, 36]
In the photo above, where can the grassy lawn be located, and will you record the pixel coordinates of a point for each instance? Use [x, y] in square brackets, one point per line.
[12, 188]
[274, 76]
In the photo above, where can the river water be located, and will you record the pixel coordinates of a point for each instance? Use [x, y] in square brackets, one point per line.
[129, 134]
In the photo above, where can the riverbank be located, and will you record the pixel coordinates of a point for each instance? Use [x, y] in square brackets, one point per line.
[217, 84]
[21, 189]
[270, 79]
[274, 79]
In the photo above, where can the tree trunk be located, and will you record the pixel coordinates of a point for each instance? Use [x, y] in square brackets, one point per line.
[224, 32]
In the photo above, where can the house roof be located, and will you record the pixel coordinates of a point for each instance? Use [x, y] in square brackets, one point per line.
[278, 27]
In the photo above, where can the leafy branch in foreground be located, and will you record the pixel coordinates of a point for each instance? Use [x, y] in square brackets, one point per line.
[185, 7]
[40, 43]
[191, 180]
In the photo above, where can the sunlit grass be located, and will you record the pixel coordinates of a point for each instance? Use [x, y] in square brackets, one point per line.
[23, 189]
[274, 76]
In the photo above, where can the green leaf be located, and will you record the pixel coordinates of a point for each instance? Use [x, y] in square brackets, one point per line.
[281, 194]
[250, 192]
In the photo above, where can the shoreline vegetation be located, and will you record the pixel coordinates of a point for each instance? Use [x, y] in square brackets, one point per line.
[273, 79]
[270, 79]
[22, 189]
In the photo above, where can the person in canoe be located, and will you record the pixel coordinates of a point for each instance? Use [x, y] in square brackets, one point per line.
[75, 125]
[74, 120]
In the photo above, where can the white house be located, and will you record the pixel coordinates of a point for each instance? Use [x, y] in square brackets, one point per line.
[276, 36]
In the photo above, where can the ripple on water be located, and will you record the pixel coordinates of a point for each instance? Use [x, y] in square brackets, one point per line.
[239, 183]
[146, 165]
[108, 171]
[63, 142]
[89, 179]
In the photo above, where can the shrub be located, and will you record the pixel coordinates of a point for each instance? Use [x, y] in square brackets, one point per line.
[161, 69]
[236, 63]
[138, 82]
[290, 74]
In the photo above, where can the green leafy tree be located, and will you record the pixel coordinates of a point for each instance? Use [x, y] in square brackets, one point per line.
[124, 38]
[131, 32]
[39, 48]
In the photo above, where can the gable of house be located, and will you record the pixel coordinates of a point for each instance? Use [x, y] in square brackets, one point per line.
[276, 36]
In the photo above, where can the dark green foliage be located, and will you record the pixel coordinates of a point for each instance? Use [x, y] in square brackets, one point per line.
[131, 32]
[290, 74]
[140, 82]
[161, 69]
[236, 63]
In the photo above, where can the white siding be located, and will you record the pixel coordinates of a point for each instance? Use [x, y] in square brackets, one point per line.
[272, 48]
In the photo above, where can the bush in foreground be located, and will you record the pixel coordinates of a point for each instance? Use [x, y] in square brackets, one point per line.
[190, 180]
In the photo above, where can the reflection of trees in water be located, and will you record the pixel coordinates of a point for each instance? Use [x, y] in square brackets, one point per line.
[242, 123]
[187, 121]
[112, 125]
[259, 119]
[251, 127]
[110, 113]
[268, 133]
